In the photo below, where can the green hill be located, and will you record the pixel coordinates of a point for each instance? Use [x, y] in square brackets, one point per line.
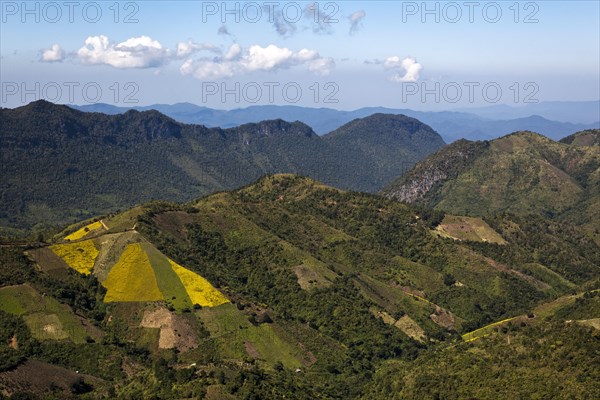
[61, 165]
[522, 173]
[332, 294]
[584, 138]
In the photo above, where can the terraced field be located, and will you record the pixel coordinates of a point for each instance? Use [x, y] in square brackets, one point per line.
[485, 331]
[169, 283]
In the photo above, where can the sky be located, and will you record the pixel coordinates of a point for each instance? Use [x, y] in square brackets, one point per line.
[436, 55]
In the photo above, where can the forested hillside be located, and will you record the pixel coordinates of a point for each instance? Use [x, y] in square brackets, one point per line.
[61, 165]
[290, 288]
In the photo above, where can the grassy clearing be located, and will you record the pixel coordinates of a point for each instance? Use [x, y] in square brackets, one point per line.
[124, 221]
[46, 326]
[82, 232]
[594, 322]
[80, 256]
[484, 331]
[15, 300]
[546, 275]
[421, 277]
[132, 278]
[238, 338]
[407, 325]
[550, 308]
[45, 317]
[199, 290]
[468, 229]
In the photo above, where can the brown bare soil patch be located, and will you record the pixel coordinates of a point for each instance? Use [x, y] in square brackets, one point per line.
[308, 278]
[175, 332]
[251, 350]
[443, 318]
[47, 260]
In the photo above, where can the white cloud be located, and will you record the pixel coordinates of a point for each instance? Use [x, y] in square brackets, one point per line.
[356, 20]
[412, 69]
[321, 66]
[236, 61]
[266, 58]
[206, 69]
[53, 54]
[145, 52]
[392, 62]
[306, 55]
[184, 49]
[233, 52]
[137, 52]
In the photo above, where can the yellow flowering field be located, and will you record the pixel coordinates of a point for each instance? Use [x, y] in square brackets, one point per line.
[484, 331]
[80, 233]
[80, 256]
[132, 278]
[199, 289]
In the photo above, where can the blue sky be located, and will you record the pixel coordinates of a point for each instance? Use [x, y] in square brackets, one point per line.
[345, 54]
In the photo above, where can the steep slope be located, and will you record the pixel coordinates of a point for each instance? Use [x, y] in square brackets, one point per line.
[62, 165]
[520, 173]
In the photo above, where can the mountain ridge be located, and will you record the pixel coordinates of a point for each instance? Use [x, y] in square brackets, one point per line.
[523, 172]
[452, 125]
[110, 162]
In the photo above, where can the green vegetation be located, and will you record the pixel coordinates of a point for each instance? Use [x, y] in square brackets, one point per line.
[590, 137]
[555, 361]
[328, 294]
[62, 166]
[523, 173]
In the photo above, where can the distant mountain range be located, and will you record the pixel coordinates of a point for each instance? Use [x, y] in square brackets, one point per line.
[481, 124]
[583, 112]
[60, 164]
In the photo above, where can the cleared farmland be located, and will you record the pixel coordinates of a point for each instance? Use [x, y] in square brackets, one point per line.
[82, 232]
[80, 256]
[199, 289]
[132, 278]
